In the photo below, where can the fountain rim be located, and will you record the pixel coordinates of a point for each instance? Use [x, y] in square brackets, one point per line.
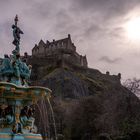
[30, 87]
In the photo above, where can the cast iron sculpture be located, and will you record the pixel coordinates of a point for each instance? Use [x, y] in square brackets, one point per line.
[13, 69]
[17, 98]
[16, 34]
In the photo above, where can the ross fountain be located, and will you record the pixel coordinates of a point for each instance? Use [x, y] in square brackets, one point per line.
[17, 99]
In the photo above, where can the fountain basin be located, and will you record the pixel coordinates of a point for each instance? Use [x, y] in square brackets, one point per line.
[24, 94]
[10, 136]
[19, 97]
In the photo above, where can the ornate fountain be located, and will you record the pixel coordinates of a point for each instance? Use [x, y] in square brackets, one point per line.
[17, 99]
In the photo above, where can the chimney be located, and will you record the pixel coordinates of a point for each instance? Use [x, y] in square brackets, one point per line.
[69, 36]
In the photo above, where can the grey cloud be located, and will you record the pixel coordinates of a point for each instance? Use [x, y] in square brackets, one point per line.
[93, 30]
[41, 10]
[108, 8]
[63, 21]
[116, 33]
[108, 60]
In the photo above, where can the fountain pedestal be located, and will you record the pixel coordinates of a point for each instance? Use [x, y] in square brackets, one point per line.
[15, 124]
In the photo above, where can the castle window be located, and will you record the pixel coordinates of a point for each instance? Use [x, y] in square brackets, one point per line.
[62, 43]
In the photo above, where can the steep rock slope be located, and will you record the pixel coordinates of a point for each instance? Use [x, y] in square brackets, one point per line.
[91, 105]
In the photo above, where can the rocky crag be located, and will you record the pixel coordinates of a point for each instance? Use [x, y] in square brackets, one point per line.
[89, 104]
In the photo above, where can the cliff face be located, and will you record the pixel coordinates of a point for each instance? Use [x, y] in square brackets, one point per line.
[90, 105]
[74, 83]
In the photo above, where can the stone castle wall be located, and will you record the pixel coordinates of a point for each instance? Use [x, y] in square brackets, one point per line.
[63, 49]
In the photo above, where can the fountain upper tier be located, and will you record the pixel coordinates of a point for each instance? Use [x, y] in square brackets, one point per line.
[32, 93]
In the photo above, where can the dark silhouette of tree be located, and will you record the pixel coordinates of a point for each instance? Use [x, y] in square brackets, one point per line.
[133, 85]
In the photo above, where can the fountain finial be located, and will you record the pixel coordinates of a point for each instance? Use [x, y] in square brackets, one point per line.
[16, 20]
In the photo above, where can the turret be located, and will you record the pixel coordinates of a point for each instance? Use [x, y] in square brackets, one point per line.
[69, 36]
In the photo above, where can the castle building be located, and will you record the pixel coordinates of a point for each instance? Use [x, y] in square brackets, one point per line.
[60, 51]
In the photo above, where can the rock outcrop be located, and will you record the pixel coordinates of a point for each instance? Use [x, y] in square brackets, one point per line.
[90, 105]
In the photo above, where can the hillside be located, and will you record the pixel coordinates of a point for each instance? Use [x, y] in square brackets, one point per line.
[90, 105]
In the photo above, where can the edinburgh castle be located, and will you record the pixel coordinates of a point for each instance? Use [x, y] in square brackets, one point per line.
[60, 52]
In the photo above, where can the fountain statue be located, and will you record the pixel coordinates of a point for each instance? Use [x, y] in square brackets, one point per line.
[16, 33]
[17, 98]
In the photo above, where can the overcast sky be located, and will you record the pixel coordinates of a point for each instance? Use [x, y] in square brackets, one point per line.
[96, 28]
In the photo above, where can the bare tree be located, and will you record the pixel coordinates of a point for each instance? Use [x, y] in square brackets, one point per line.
[133, 85]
